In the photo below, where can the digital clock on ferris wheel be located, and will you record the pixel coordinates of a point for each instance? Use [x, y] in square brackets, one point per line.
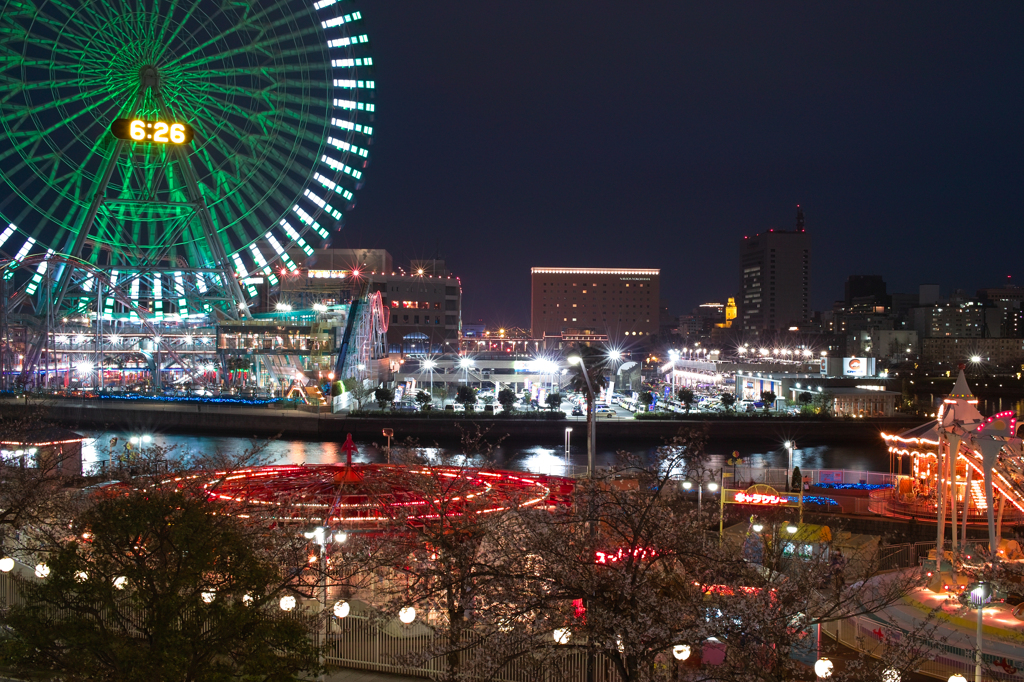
[161, 132]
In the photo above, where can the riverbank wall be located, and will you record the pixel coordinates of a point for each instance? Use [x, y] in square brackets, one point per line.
[206, 418]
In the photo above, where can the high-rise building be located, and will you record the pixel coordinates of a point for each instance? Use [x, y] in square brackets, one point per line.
[775, 279]
[581, 303]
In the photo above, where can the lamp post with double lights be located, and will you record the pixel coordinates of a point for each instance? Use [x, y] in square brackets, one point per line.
[981, 594]
[591, 400]
[322, 537]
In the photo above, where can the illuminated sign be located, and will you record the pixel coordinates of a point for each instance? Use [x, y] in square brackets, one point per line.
[327, 274]
[760, 498]
[162, 132]
[855, 367]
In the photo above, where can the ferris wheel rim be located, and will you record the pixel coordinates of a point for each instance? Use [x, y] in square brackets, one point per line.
[289, 195]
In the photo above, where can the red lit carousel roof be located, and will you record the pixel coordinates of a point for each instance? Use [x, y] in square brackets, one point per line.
[366, 495]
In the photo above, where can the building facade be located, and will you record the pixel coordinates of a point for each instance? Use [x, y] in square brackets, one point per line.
[953, 351]
[594, 302]
[425, 302]
[775, 280]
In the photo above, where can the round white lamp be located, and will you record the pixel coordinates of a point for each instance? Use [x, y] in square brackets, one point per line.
[957, 678]
[120, 582]
[407, 614]
[562, 635]
[208, 597]
[681, 652]
[342, 608]
[7, 564]
[287, 602]
[823, 668]
[42, 570]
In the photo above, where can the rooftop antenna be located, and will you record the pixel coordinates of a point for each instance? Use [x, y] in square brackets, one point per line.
[799, 218]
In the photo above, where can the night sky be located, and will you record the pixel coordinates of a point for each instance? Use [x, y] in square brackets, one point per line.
[658, 134]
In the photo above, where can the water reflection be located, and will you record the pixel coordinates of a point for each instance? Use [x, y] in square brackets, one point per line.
[541, 459]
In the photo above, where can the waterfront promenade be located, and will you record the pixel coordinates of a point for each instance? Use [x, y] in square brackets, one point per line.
[212, 418]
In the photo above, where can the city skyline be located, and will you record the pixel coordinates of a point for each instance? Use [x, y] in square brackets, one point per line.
[544, 136]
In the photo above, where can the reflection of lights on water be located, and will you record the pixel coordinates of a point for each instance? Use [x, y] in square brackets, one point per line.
[545, 461]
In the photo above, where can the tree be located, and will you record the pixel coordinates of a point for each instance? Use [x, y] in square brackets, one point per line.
[507, 400]
[805, 398]
[646, 398]
[629, 571]
[798, 480]
[685, 396]
[768, 398]
[360, 392]
[729, 400]
[29, 483]
[554, 401]
[157, 586]
[466, 397]
[442, 553]
[384, 396]
[424, 400]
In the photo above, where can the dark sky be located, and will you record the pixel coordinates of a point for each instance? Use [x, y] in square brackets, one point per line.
[657, 134]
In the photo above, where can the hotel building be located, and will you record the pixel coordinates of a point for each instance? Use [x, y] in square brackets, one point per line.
[593, 304]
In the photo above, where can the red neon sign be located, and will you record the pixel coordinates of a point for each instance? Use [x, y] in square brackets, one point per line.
[760, 498]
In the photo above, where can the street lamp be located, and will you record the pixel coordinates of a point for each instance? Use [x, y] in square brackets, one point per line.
[789, 472]
[578, 360]
[321, 537]
[568, 436]
[465, 364]
[823, 668]
[980, 595]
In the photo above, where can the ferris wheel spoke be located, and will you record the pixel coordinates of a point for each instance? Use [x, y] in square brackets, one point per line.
[53, 128]
[259, 46]
[161, 38]
[253, 22]
[22, 112]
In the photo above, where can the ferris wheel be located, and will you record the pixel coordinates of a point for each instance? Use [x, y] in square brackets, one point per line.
[188, 147]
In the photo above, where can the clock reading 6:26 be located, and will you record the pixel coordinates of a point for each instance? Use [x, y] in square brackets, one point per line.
[162, 132]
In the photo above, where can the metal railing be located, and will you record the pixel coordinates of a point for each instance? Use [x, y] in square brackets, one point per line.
[357, 642]
[868, 635]
[887, 503]
[906, 555]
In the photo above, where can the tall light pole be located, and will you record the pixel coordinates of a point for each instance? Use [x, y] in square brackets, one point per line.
[591, 399]
[465, 364]
[980, 595]
[789, 471]
[322, 537]
[430, 364]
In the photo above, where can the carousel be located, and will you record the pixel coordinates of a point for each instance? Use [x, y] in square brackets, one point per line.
[961, 468]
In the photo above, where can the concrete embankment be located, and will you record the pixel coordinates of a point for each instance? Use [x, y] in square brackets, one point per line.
[205, 418]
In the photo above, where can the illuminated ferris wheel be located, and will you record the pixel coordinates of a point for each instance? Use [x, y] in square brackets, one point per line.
[185, 147]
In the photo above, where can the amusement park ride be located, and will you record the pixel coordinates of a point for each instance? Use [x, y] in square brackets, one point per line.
[163, 163]
[962, 465]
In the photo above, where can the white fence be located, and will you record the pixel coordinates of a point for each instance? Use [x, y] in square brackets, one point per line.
[356, 642]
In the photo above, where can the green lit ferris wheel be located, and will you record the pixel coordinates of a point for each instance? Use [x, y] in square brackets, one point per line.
[183, 147]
